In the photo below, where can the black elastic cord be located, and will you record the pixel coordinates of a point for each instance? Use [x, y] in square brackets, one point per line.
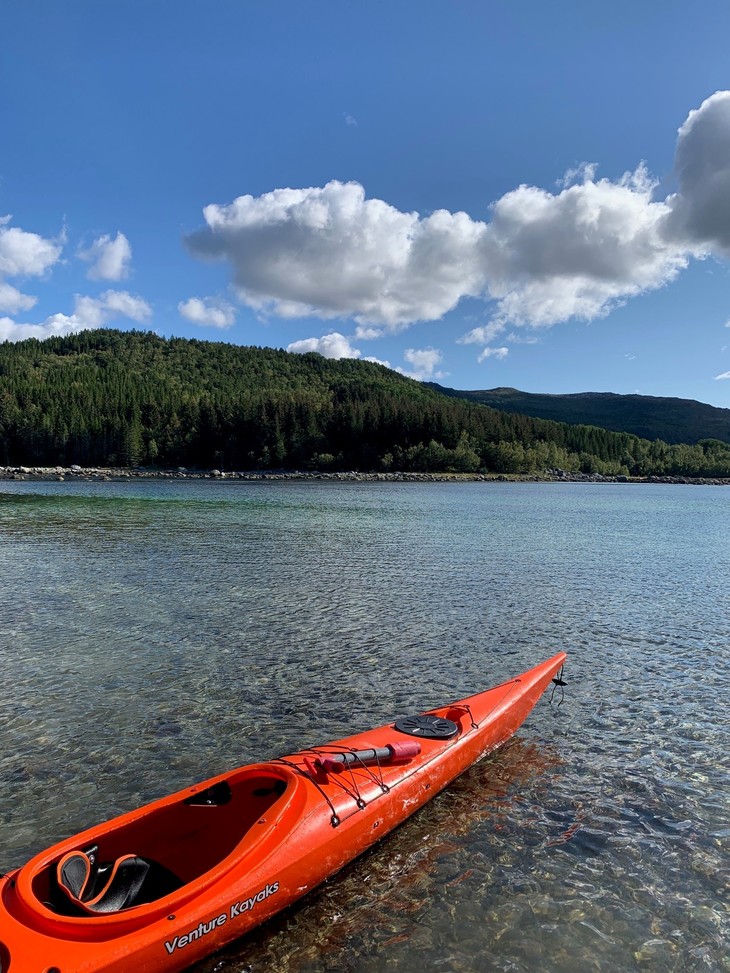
[308, 776]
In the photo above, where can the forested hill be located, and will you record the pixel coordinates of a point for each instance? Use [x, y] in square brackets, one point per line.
[113, 398]
[651, 417]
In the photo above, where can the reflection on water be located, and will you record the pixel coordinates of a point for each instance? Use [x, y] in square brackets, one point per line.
[154, 634]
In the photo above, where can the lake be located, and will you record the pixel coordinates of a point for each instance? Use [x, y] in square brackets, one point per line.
[155, 633]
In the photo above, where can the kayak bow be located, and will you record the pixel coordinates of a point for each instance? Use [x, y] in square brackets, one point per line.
[162, 887]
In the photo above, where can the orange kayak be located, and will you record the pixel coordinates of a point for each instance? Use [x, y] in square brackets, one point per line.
[162, 887]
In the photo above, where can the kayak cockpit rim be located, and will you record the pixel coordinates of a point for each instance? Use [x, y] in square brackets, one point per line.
[194, 837]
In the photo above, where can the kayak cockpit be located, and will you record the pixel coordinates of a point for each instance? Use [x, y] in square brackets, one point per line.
[186, 842]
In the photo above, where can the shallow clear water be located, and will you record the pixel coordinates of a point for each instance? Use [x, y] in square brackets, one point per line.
[152, 634]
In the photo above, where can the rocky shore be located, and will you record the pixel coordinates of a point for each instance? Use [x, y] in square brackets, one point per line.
[62, 473]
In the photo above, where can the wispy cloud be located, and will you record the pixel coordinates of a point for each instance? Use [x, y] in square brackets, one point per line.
[483, 334]
[522, 338]
[110, 259]
[722, 377]
[498, 353]
[583, 172]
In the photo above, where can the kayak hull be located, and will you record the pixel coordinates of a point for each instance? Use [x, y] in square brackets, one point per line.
[247, 844]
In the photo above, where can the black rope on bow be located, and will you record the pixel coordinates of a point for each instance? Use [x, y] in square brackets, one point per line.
[357, 762]
[335, 819]
[360, 764]
[377, 779]
[474, 726]
[558, 681]
[336, 779]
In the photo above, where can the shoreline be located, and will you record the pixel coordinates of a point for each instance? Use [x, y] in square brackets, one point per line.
[120, 474]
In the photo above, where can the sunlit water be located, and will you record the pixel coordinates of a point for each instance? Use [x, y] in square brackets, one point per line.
[152, 634]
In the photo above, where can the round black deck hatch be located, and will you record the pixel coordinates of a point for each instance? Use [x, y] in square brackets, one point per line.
[427, 725]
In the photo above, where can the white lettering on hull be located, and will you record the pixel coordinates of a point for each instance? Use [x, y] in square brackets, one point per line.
[206, 928]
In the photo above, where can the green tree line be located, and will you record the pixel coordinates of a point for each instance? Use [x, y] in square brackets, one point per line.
[114, 398]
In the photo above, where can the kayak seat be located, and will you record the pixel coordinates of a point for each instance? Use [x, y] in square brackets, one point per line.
[91, 889]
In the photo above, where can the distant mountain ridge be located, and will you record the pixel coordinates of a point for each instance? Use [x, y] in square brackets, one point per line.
[672, 420]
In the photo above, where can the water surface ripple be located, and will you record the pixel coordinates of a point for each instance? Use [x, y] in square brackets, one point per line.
[152, 634]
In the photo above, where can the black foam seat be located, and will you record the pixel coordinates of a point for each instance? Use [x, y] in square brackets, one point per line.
[94, 888]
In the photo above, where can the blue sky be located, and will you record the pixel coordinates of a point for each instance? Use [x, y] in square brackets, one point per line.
[480, 193]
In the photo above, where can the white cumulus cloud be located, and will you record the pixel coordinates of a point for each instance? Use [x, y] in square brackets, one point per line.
[542, 257]
[109, 258]
[331, 252]
[89, 313]
[334, 345]
[208, 311]
[12, 300]
[722, 377]
[701, 208]
[23, 254]
[578, 253]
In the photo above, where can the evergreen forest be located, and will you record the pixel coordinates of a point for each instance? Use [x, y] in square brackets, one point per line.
[133, 399]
